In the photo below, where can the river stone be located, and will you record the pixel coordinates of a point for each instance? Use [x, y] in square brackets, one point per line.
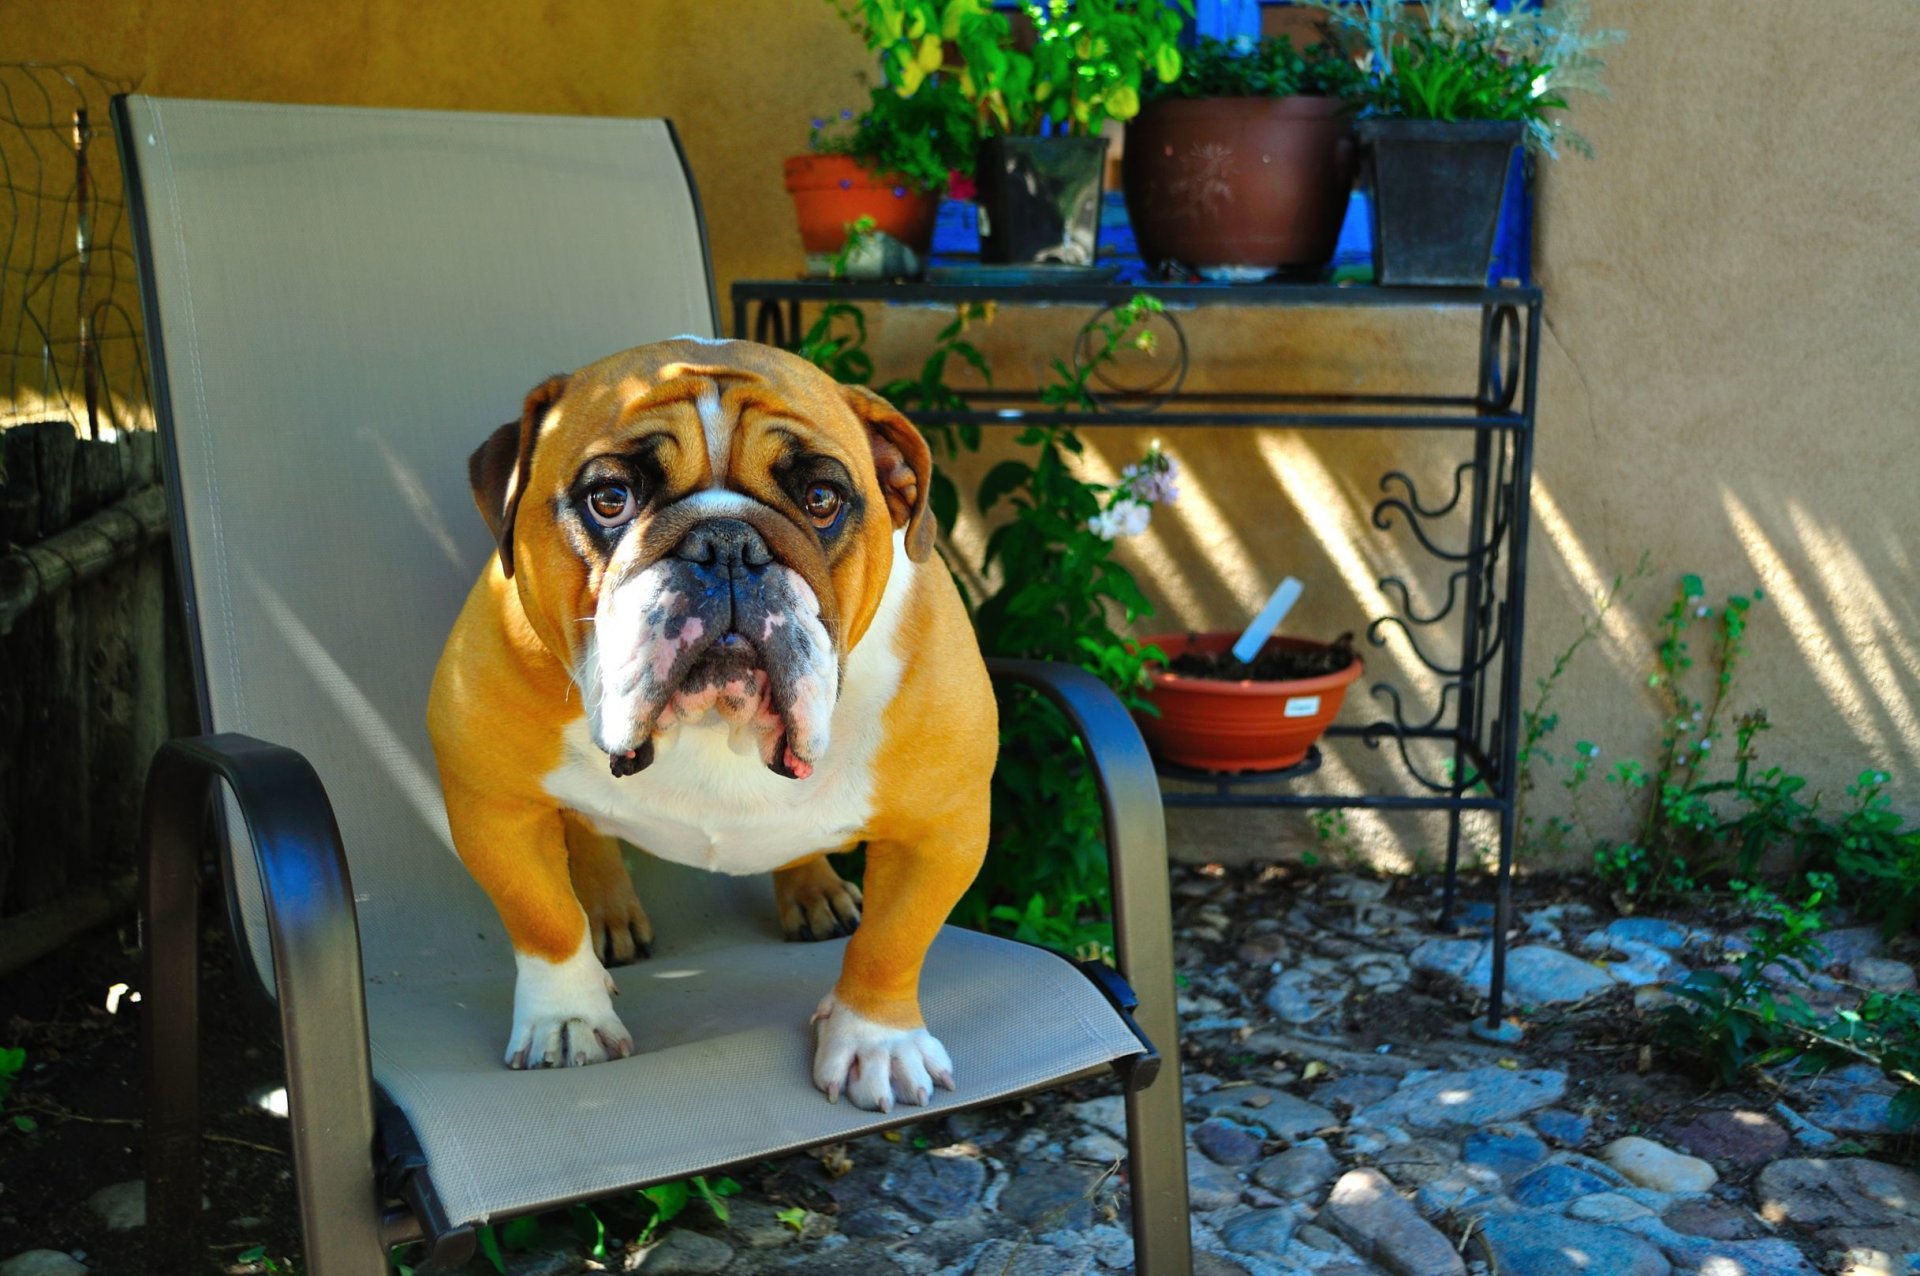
[1714, 1220]
[1225, 1143]
[1661, 1168]
[1210, 1186]
[122, 1207]
[1882, 974]
[1829, 1192]
[43, 1262]
[1545, 1245]
[1738, 1135]
[1767, 1257]
[1098, 1147]
[1503, 1153]
[1478, 1097]
[1552, 1184]
[1464, 961]
[1849, 944]
[1608, 1207]
[1299, 999]
[1001, 1257]
[1107, 1113]
[1301, 1171]
[1260, 1233]
[1656, 932]
[1541, 976]
[1049, 1196]
[1417, 1161]
[1280, 1114]
[1561, 1127]
[1365, 1211]
[1355, 1091]
[687, 1253]
[1463, 1190]
[1852, 1100]
[937, 1187]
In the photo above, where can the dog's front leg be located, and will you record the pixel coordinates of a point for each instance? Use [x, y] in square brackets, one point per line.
[562, 1007]
[870, 1041]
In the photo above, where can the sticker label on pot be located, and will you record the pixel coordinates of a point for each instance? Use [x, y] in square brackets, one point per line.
[1302, 706]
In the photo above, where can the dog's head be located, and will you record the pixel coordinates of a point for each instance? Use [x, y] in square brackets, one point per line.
[699, 527]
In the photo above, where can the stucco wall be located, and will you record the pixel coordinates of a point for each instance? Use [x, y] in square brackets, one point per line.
[1728, 382]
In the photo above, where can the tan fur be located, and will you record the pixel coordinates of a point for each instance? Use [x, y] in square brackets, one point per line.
[503, 692]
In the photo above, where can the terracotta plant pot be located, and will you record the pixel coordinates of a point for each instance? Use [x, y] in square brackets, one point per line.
[1240, 188]
[829, 191]
[1239, 726]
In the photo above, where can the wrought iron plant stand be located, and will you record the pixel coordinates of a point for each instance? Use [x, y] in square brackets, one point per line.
[1478, 713]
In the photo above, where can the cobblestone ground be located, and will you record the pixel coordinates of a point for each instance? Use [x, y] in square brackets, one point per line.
[1344, 1120]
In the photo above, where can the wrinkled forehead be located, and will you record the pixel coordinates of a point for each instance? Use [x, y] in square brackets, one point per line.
[711, 384]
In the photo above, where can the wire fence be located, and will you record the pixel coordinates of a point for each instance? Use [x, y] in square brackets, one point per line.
[70, 345]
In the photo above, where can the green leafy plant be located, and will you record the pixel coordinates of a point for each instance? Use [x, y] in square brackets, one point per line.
[918, 138]
[1731, 1024]
[1087, 64]
[1469, 60]
[1059, 598]
[1265, 68]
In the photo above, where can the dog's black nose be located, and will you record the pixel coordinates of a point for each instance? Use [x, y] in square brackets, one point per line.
[725, 546]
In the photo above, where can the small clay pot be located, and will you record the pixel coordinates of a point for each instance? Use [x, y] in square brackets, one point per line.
[830, 191]
[1238, 726]
[1240, 188]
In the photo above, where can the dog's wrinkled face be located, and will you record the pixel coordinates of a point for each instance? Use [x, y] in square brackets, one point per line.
[715, 529]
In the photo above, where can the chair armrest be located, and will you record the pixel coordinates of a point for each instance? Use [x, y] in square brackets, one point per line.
[315, 941]
[1136, 827]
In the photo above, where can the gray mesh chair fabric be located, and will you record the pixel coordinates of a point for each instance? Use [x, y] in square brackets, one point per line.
[346, 302]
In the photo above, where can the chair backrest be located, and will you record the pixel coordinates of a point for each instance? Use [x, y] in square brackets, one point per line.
[341, 304]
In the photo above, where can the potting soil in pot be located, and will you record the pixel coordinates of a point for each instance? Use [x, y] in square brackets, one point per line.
[1273, 664]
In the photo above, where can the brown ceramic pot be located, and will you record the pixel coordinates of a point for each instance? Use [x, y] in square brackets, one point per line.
[1239, 188]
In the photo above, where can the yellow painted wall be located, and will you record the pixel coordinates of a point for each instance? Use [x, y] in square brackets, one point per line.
[1728, 383]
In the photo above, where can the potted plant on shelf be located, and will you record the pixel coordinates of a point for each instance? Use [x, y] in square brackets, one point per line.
[1220, 713]
[1242, 166]
[1452, 88]
[891, 163]
[1038, 104]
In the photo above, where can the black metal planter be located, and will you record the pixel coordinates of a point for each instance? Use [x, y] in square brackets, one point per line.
[1437, 188]
[1040, 199]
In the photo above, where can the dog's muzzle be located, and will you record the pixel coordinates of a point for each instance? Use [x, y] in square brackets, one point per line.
[718, 626]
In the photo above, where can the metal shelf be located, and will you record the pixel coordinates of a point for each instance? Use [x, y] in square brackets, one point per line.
[1477, 535]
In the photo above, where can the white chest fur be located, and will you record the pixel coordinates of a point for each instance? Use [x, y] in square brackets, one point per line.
[703, 803]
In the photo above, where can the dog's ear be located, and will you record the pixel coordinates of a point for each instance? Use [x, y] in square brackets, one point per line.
[499, 468]
[904, 465]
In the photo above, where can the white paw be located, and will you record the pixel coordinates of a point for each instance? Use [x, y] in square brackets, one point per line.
[563, 1013]
[872, 1064]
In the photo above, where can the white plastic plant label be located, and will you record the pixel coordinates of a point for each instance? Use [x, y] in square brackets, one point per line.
[1302, 706]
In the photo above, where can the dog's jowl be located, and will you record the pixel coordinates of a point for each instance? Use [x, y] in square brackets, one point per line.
[715, 628]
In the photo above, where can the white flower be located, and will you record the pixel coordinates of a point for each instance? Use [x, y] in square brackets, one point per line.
[1134, 516]
[1703, 611]
[1705, 745]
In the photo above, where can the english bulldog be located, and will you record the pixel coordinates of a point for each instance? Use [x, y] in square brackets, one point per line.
[715, 628]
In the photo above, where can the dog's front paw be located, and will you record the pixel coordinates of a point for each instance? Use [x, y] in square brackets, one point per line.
[872, 1064]
[563, 1014]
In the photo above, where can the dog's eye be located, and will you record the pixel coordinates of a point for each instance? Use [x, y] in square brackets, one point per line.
[611, 504]
[822, 503]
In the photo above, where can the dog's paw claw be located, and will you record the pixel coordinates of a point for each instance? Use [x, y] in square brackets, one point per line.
[874, 1065]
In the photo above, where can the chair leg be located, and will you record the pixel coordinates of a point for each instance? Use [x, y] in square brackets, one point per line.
[171, 1018]
[1157, 1179]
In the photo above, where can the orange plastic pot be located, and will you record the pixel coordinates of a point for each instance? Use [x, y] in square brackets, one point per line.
[830, 191]
[1239, 726]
